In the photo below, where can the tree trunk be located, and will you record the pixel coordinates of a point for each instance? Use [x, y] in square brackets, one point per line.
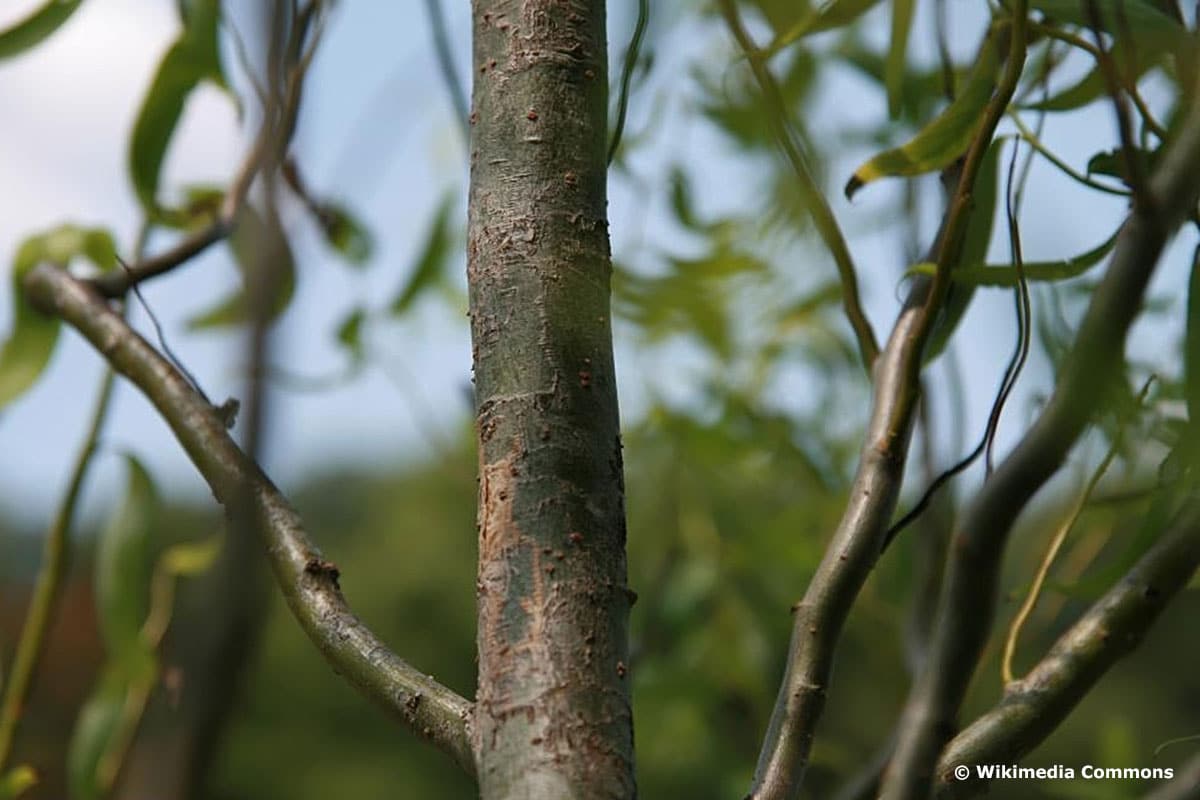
[553, 713]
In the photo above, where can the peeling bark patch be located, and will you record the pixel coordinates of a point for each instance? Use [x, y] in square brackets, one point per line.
[323, 569]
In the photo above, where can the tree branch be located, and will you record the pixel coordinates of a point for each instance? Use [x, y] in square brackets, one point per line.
[856, 545]
[967, 609]
[308, 582]
[1035, 705]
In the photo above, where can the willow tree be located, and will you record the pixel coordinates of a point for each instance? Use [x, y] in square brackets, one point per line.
[552, 714]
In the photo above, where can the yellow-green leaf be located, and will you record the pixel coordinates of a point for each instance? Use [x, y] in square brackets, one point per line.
[36, 27]
[949, 134]
[191, 558]
[17, 781]
[31, 343]
[95, 727]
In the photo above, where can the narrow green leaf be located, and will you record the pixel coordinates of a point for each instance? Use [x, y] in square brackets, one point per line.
[257, 243]
[829, 15]
[36, 27]
[1112, 162]
[123, 567]
[949, 134]
[433, 260]
[193, 57]
[17, 781]
[897, 57]
[976, 239]
[95, 726]
[1191, 359]
[31, 343]
[1005, 275]
[349, 333]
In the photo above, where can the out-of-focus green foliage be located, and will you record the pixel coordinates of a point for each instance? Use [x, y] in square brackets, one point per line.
[29, 346]
[36, 27]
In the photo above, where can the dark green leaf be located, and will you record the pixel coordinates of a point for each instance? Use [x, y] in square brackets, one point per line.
[259, 245]
[897, 58]
[1151, 29]
[349, 333]
[1112, 162]
[36, 27]
[29, 347]
[346, 234]
[193, 57]
[433, 260]
[949, 134]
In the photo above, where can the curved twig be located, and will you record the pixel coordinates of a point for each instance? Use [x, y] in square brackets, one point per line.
[308, 582]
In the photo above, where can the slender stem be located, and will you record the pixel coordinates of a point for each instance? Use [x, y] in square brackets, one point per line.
[631, 57]
[1035, 590]
[308, 582]
[823, 217]
[967, 609]
[1067, 169]
[1184, 786]
[55, 556]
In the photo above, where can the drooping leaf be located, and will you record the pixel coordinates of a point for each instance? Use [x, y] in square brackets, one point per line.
[123, 568]
[194, 57]
[433, 259]
[976, 239]
[37, 27]
[98, 721]
[829, 15]
[17, 781]
[897, 57]
[949, 134]
[259, 244]
[1005, 275]
[31, 343]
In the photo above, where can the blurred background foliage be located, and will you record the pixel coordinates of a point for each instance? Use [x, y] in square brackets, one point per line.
[742, 435]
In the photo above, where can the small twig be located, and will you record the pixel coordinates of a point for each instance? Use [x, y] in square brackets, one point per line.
[1030, 137]
[1056, 542]
[627, 69]
[823, 217]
